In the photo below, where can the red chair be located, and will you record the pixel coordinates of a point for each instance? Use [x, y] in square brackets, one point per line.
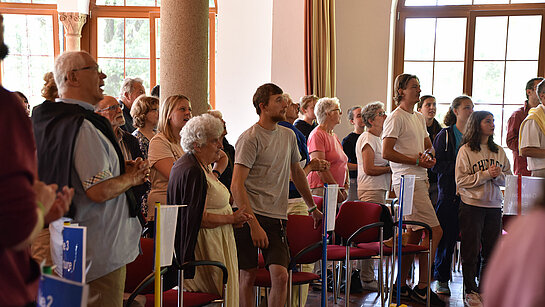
[357, 222]
[140, 279]
[319, 201]
[304, 242]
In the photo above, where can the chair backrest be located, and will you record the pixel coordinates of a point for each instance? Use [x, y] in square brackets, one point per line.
[319, 201]
[355, 214]
[141, 267]
[301, 233]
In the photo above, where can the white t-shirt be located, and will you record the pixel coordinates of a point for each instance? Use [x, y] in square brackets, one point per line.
[410, 131]
[368, 182]
[531, 136]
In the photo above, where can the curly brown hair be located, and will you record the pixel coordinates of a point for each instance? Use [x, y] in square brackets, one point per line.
[49, 91]
[140, 108]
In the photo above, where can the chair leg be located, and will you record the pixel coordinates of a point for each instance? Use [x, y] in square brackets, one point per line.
[290, 287]
[334, 281]
[347, 279]
[428, 299]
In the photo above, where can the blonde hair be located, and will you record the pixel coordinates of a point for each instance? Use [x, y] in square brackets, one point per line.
[165, 110]
[141, 107]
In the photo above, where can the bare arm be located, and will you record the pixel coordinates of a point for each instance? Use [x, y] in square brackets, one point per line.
[299, 179]
[135, 175]
[533, 152]
[212, 220]
[352, 166]
[222, 162]
[389, 153]
[369, 167]
[164, 166]
[325, 175]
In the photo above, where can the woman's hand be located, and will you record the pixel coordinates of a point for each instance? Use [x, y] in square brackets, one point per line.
[240, 217]
[494, 170]
[319, 164]
[342, 195]
[60, 205]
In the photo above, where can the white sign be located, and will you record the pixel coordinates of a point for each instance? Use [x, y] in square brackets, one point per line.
[407, 191]
[169, 219]
[330, 202]
[531, 191]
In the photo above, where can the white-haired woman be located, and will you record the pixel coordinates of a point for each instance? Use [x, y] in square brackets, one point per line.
[324, 144]
[206, 221]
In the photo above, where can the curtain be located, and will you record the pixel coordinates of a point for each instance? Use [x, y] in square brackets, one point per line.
[320, 64]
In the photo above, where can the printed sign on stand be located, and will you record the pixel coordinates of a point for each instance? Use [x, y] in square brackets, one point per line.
[60, 292]
[531, 191]
[169, 219]
[331, 199]
[74, 244]
[408, 194]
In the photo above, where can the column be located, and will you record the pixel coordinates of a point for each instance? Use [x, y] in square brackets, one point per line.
[184, 51]
[72, 22]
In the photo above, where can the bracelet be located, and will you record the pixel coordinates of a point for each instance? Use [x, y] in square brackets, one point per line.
[417, 161]
[41, 206]
[215, 171]
[312, 209]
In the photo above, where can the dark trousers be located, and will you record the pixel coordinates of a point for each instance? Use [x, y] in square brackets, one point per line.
[480, 228]
[447, 214]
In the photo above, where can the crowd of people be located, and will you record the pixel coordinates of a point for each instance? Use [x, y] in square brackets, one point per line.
[103, 163]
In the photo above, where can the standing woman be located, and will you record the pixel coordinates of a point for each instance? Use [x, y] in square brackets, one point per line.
[207, 221]
[481, 167]
[446, 145]
[145, 115]
[324, 144]
[165, 149]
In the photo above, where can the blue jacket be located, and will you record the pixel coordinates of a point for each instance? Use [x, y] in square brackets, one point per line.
[445, 154]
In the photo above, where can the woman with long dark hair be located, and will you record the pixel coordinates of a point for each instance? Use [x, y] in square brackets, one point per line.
[446, 145]
[481, 167]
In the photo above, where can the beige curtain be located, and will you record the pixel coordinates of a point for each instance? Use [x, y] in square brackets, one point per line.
[320, 64]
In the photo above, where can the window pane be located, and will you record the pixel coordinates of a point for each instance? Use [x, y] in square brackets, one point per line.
[137, 38]
[110, 2]
[113, 68]
[16, 1]
[420, 2]
[516, 76]
[211, 3]
[523, 37]
[448, 81]
[158, 37]
[110, 37]
[527, 1]
[488, 82]
[423, 70]
[442, 109]
[451, 39]
[157, 71]
[419, 38]
[490, 36]
[453, 2]
[138, 68]
[140, 2]
[45, 1]
[491, 1]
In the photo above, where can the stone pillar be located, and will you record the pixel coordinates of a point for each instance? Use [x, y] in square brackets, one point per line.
[72, 22]
[184, 51]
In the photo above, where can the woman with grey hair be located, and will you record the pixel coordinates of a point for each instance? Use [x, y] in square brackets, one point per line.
[207, 219]
[324, 144]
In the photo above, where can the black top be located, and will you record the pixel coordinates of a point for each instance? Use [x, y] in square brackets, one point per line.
[128, 118]
[349, 148]
[433, 130]
[227, 174]
[304, 127]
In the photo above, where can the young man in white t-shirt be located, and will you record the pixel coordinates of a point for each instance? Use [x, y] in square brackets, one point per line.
[266, 155]
[407, 146]
[532, 137]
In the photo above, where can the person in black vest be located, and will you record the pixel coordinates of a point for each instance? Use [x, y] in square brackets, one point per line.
[77, 147]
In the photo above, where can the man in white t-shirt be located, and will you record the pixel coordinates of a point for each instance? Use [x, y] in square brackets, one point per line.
[265, 156]
[407, 146]
[532, 136]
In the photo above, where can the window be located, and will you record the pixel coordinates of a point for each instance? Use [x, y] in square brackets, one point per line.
[488, 52]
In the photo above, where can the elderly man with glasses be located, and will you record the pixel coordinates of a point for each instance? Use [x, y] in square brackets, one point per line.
[78, 148]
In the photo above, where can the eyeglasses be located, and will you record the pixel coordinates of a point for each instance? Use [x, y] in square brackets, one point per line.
[381, 113]
[93, 67]
[110, 108]
[340, 111]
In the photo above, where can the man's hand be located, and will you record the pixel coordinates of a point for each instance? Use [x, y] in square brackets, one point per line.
[259, 236]
[317, 217]
[45, 194]
[60, 205]
[138, 170]
[494, 170]
[425, 160]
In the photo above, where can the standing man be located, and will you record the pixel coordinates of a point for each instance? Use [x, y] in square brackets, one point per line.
[266, 154]
[407, 146]
[532, 135]
[349, 148]
[308, 123]
[130, 90]
[77, 147]
[520, 165]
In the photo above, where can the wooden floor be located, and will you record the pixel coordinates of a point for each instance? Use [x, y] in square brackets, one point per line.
[368, 299]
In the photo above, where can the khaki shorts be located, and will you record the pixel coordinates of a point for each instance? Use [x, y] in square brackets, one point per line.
[276, 253]
[108, 289]
[373, 196]
[422, 208]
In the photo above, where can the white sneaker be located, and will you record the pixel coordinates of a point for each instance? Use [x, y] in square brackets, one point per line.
[473, 299]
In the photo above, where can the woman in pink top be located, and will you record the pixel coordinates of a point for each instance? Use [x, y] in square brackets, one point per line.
[324, 144]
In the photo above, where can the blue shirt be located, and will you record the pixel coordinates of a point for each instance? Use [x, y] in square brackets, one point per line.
[458, 137]
[303, 150]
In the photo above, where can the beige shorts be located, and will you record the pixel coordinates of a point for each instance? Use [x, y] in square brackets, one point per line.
[373, 196]
[422, 208]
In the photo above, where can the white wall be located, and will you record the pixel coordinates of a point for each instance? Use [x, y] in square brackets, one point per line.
[363, 35]
[243, 60]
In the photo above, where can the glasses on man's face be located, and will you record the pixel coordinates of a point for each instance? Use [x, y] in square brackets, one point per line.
[92, 67]
[381, 113]
[110, 108]
[340, 111]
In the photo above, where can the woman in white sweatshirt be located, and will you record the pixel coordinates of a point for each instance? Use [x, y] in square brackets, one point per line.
[481, 166]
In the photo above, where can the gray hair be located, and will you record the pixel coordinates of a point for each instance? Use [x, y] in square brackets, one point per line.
[324, 106]
[64, 64]
[216, 113]
[199, 130]
[287, 98]
[370, 111]
[128, 85]
[351, 112]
